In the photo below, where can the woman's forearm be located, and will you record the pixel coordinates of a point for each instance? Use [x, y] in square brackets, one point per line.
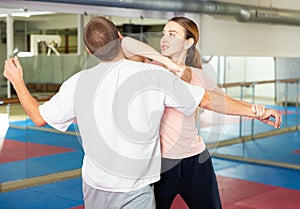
[133, 47]
[136, 50]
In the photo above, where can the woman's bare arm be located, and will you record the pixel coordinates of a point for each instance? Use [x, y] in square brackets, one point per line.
[139, 51]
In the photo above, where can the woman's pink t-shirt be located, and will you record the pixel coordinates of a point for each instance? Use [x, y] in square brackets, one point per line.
[178, 133]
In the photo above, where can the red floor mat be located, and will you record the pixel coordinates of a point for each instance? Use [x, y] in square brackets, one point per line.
[241, 194]
[178, 203]
[14, 150]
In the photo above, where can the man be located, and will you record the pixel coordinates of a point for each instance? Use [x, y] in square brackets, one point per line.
[118, 106]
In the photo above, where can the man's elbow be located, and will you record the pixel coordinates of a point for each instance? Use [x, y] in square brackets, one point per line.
[39, 121]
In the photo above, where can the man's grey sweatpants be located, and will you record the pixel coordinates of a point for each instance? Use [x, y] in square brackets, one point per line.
[99, 199]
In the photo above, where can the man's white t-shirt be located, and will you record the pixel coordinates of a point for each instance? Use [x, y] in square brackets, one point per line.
[118, 107]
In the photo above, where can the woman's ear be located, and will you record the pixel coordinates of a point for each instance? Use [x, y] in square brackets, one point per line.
[189, 43]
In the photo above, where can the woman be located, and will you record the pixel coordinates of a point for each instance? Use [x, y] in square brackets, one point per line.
[186, 163]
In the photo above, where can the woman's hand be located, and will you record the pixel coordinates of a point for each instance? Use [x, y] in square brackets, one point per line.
[181, 70]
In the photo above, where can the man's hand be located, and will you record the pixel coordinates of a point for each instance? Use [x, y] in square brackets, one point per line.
[14, 73]
[13, 70]
[259, 110]
[271, 113]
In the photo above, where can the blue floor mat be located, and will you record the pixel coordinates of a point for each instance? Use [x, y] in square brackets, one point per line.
[280, 148]
[58, 195]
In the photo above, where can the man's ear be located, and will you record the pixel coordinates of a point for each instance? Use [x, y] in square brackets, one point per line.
[189, 43]
[87, 50]
[120, 35]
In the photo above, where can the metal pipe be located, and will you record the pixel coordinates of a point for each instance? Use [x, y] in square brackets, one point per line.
[242, 13]
[297, 105]
[241, 118]
[253, 101]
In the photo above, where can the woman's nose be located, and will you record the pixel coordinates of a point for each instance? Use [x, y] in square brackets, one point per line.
[164, 38]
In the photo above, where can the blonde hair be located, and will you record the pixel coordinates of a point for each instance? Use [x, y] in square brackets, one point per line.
[193, 58]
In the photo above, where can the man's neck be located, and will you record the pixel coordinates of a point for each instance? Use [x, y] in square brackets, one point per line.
[119, 57]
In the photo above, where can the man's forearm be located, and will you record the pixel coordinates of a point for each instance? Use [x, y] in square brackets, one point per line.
[221, 103]
[29, 104]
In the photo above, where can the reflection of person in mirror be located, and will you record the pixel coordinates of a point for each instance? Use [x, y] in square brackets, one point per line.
[118, 105]
[188, 167]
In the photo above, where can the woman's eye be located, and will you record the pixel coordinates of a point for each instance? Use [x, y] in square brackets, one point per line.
[172, 34]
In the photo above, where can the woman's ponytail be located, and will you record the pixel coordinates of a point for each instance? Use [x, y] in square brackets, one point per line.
[193, 58]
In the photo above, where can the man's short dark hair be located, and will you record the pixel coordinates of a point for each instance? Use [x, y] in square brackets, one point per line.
[101, 38]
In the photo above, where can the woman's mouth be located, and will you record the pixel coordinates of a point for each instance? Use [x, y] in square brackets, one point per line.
[164, 47]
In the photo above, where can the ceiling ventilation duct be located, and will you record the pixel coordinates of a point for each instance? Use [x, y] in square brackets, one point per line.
[242, 13]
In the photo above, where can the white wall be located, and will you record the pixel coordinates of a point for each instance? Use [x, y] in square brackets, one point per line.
[227, 37]
[249, 49]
